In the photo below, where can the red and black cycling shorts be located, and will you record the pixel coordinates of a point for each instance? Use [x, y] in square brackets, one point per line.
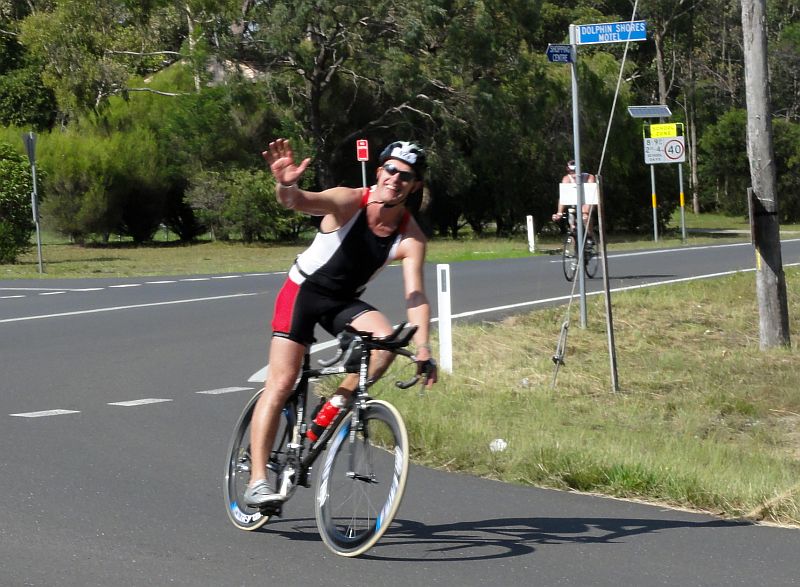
[300, 307]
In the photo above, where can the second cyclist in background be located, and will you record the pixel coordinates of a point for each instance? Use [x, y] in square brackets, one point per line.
[560, 215]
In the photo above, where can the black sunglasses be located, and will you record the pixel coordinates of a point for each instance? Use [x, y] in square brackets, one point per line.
[391, 169]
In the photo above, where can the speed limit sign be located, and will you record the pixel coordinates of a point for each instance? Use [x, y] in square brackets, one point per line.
[675, 150]
[664, 143]
[664, 150]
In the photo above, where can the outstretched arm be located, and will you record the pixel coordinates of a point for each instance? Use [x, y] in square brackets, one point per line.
[336, 201]
[412, 252]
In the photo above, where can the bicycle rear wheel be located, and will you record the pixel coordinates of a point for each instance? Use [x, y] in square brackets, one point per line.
[238, 467]
[590, 261]
[569, 257]
[362, 480]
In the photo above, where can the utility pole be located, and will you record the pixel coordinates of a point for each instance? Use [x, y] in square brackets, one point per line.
[770, 280]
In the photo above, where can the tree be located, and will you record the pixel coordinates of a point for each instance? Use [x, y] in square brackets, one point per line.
[206, 196]
[16, 219]
[770, 279]
[724, 165]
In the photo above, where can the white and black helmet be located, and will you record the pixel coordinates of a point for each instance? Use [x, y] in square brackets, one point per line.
[406, 152]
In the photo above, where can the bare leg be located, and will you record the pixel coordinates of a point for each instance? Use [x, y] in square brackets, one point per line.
[379, 325]
[285, 361]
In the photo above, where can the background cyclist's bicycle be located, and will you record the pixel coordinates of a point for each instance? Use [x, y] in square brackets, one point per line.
[361, 480]
[569, 253]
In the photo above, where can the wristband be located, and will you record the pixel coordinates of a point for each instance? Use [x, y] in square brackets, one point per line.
[290, 186]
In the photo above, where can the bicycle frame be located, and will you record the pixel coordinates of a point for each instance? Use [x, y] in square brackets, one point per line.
[365, 467]
[298, 465]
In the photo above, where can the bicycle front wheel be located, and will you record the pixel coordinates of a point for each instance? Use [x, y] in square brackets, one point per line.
[569, 257]
[238, 467]
[362, 480]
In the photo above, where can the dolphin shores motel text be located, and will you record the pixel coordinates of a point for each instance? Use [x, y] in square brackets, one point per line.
[616, 31]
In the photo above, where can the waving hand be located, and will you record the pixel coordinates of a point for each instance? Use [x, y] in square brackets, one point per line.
[281, 162]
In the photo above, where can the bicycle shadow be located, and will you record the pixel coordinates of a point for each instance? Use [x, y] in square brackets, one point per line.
[512, 537]
[492, 539]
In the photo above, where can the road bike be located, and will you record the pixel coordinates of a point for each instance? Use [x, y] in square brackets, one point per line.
[361, 480]
[569, 253]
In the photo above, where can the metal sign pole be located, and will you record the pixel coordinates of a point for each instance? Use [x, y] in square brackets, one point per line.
[576, 132]
[30, 146]
[683, 202]
[612, 348]
[653, 191]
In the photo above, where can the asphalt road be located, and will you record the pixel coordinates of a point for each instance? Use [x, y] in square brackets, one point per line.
[117, 399]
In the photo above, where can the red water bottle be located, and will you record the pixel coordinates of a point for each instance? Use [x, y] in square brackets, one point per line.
[325, 416]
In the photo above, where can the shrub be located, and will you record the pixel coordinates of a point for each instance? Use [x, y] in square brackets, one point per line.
[16, 219]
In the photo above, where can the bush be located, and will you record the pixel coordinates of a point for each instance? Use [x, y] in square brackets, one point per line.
[77, 204]
[16, 219]
[725, 168]
[242, 201]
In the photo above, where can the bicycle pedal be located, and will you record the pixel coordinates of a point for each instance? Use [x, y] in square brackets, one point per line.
[272, 509]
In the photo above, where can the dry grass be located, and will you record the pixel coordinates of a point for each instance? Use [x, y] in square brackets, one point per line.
[704, 419]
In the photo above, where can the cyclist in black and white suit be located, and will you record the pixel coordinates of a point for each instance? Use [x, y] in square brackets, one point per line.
[362, 230]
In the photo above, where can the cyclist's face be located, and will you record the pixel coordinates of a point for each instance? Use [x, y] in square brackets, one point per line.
[396, 179]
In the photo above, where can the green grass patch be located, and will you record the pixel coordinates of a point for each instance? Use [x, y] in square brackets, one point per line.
[127, 260]
[704, 419]
[166, 256]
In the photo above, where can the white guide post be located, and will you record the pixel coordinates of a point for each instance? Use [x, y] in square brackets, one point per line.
[531, 235]
[445, 318]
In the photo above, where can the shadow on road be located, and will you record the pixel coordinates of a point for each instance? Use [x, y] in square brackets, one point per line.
[509, 537]
[649, 276]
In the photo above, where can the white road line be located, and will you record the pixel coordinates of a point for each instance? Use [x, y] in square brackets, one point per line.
[126, 285]
[197, 279]
[11, 297]
[45, 413]
[89, 289]
[225, 276]
[52, 293]
[159, 282]
[31, 288]
[139, 402]
[260, 375]
[612, 290]
[116, 308]
[224, 390]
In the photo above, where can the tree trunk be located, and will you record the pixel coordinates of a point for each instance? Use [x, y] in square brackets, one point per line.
[658, 41]
[190, 23]
[691, 108]
[770, 279]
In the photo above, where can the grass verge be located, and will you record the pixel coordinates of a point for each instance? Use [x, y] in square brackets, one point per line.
[62, 260]
[169, 257]
[704, 419]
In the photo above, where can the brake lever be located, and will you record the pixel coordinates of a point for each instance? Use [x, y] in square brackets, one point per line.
[409, 383]
[345, 339]
[329, 362]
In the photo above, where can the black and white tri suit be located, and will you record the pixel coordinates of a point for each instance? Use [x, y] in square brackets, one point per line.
[327, 279]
